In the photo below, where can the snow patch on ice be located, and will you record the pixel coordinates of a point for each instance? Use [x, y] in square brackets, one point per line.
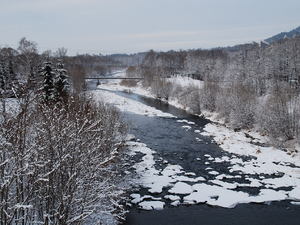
[172, 197]
[152, 205]
[186, 121]
[216, 196]
[181, 188]
[295, 203]
[136, 198]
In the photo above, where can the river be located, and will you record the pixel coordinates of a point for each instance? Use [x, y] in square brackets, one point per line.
[175, 145]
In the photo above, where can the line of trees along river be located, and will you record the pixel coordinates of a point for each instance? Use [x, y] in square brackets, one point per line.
[251, 85]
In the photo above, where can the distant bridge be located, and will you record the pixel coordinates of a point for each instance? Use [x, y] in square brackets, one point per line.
[113, 78]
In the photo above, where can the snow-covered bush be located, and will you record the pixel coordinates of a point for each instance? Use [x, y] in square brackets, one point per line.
[224, 103]
[56, 163]
[208, 95]
[243, 106]
[188, 97]
[161, 88]
[273, 117]
[236, 104]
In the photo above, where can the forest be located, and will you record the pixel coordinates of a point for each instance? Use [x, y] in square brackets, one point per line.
[250, 86]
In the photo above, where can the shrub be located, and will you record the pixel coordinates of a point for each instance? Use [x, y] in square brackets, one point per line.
[55, 162]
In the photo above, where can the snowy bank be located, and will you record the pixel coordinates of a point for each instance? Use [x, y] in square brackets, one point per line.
[107, 95]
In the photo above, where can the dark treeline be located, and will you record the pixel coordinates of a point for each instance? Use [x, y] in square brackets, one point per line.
[250, 86]
[58, 148]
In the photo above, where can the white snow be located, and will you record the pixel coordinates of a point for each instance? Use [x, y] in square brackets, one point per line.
[295, 193]
[152, 205]
[215, 195]
[181, 188]
[172, 170]
[186, 121]
[136, 198]
[213, 172]
[150, 177]
[172, 197]
[185, 81]
[238, 143]
[295, 203]
[175, 203]
[127, 105]
[115, 86]
[187, 127]
[190, 174]
[188, 179]
[267, 160]
[225, 184]
[268, 195]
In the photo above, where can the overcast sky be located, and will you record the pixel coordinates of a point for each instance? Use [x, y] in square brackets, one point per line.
[127, 26]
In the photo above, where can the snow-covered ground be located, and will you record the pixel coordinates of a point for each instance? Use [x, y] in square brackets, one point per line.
[115, 86]
[184, 81]
[125, 104]
[185, 187]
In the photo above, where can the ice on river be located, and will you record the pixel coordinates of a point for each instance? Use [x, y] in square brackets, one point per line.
[181, 188]
[195, 189]
[152, 205]
[218, 193]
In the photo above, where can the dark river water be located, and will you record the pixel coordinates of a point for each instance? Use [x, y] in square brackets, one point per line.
[179, 147]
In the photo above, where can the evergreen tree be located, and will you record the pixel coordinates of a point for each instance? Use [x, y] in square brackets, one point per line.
[3, 78]
[3, 87]
[61, 83]
[12, 74]
[48, 87]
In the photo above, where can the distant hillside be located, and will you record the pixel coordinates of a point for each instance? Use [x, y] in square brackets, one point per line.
[129, 59]
[283, 35]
